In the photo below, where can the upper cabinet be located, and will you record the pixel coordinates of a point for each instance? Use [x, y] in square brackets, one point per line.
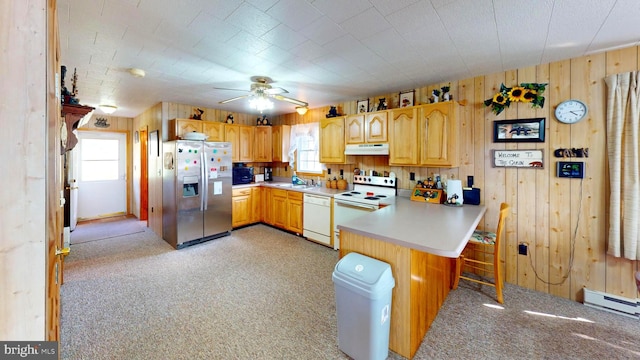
[375, 127]
[332, 140]
[367, 128]
[263, 139]
[246, 143]
[179, 127]
[403, 131]
[232, 135]
[438, 129]
[424, 135]
[280, 142]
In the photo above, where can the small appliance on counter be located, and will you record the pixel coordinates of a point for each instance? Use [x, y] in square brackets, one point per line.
[258, 178]
[242, 174]
[268, 173]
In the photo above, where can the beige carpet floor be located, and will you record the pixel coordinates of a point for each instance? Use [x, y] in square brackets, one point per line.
[265, 294]
[106, 229]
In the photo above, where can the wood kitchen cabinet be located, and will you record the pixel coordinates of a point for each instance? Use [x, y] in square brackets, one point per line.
[332, 140]
[403, 136]
[265, 202]
[263, 144]
[256, 205]
[179, 127]
[241, 139]
[438, 129]
[279, 209]
[241, 207]
[280, 142]
[214, 130]
[294, 207]
[370, 128]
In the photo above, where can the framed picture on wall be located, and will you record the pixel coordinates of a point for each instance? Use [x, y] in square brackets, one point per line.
[522, 130]
[363, 106]
[406, 98]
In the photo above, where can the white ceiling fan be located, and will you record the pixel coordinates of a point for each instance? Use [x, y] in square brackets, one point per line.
[261, 91]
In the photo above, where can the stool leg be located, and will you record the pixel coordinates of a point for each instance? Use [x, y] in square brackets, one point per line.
[498, 279]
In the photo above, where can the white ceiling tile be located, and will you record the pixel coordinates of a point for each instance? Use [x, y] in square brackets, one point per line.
[284, 36]
[386, 7]
[213, 28]
[414, 18]
[252, 20]
[309, 50]
[248, 43]
[613, 33]
[322, 31]
[344, 11]
[295, 13]
[365, 24]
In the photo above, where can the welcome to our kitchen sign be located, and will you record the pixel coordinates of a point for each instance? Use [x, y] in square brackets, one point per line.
[518, 158]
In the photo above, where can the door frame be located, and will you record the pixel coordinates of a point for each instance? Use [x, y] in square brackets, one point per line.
[128, 165]
[144, 174]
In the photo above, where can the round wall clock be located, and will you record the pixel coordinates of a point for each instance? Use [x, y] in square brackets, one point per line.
[571, 111]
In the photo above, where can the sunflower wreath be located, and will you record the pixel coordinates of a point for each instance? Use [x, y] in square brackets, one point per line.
[526, 93]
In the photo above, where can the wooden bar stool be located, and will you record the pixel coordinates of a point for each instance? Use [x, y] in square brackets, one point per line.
[489, 242]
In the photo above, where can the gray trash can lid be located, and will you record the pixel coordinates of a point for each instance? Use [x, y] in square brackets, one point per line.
[367, 275]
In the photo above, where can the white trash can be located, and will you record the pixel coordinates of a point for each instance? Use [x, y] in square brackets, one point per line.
[363, 288]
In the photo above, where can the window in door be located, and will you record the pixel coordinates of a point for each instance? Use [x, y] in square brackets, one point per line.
[100, 159]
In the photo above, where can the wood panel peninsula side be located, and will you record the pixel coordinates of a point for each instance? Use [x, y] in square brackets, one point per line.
[421, 242]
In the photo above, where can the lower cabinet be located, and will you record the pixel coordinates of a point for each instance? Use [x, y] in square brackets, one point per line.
[277, 207]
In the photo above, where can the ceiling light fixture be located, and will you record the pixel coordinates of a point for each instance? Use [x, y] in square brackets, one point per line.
[108, 109]
[261, 103]
[301, 110]
[137, 72]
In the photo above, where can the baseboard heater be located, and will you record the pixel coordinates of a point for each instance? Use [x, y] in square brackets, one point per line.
[612, 303]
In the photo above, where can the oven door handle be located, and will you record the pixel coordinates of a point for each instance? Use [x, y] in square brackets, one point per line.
[357, 206]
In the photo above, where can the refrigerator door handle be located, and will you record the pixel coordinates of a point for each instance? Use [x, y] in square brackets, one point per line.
[203, 193]
[205, 178]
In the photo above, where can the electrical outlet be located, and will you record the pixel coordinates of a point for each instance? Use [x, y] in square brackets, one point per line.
[522, 249]
[412, 176]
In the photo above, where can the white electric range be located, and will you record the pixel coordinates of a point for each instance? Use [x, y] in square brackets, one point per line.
[369, 194]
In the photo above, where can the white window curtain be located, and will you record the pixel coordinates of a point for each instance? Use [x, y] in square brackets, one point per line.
[623, 119]
[309, 129]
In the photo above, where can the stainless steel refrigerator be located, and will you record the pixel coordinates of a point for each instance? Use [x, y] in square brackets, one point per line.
[196, 191]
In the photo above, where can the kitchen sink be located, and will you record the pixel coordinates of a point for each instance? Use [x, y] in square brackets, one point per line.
[292, 186]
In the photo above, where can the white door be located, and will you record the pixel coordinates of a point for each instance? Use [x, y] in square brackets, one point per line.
[102, 189]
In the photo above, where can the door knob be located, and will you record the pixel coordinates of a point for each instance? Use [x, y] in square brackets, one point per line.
[63, 251]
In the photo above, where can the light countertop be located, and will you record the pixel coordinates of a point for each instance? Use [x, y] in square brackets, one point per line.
[317, 190]
[432, 228]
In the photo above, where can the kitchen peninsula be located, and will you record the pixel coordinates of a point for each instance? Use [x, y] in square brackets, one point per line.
[421, 242]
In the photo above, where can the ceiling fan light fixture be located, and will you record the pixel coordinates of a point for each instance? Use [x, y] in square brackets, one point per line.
[301, 110]
[108, 109]
[261, 103]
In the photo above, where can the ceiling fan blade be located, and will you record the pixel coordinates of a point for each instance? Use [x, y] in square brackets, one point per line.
[288, 99]
[233, 99]
[275, 91]
[228, 89]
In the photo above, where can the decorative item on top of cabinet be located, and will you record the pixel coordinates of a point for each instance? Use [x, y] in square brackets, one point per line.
[198, 114]
[333, 112]
[382, 104]
[363, 106]
[446, 96]
[406, 98]
[229, 119]
[435, 96]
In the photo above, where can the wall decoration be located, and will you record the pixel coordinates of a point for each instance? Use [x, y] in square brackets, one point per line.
[523, 130]
[363, 106]
[526, 93]
[518, 158]
[406, 98]
[101, 123]
[573, 152]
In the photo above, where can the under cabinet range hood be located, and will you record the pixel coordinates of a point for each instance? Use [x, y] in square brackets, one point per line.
[367, 149]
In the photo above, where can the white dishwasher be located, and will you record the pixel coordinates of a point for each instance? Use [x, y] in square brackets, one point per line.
[316, 218]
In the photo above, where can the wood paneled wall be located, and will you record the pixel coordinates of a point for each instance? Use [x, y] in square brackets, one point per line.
[562, 220]
[30, 194]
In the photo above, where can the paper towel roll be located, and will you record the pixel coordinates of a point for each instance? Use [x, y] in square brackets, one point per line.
[454, 187]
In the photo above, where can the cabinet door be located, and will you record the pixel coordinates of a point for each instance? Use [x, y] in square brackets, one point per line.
[263, 148]
[375, 127]
[403, 133]
[355, 129]
[232, 135]
[294, 205]
[279, 208]
[332, 140]
[240, 207]
[179, 127]
[215, 130]
[256, 205]
[280, 140]
[437, 129]
[246, 144]
[267, 212]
